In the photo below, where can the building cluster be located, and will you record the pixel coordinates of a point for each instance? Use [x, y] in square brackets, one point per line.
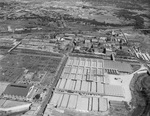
[49, 44]
[108, 45]
[20, 98]
[86, 85]
[14, 97]
[90, 44]
[92, 84]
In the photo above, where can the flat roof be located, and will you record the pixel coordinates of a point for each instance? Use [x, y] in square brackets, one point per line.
[114, 90]
[17, 90]
[80, 103]
[11, 103]
[79, 68]
[120, 66]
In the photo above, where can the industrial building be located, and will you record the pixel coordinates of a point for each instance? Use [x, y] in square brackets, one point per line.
[84, 69]
[17, 92]
[79, 103]
[88, 84]
[122, 67]
[9, 106]
[93, 88]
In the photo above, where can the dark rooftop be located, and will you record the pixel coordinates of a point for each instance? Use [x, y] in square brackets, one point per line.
[17, 90]
[120, 66]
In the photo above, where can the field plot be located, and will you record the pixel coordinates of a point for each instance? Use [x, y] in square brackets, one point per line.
[84, 69]
[13, 66]
[37, 63]
[10, 74]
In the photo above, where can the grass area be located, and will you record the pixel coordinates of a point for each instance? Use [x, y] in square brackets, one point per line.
[34, 63]
[13, 66]
[10, 74]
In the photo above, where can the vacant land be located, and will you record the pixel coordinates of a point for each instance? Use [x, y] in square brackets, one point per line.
[13, 66]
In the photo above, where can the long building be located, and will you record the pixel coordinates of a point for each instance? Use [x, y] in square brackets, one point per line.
[83, 69]
[95, 88]
[120, 66]
[79, 103]
[17, 91]
[11, 106]
[84, 85]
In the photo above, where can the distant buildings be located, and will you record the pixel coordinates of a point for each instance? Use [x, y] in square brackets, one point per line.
[7, 42]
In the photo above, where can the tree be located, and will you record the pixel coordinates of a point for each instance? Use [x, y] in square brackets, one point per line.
[104, 50]
[37, 96]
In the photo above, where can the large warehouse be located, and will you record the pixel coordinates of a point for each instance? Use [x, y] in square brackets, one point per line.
[88, 84]
[79, 103]
[17, 91]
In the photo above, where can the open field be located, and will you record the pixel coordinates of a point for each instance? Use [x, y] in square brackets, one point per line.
[13, 66]
[10, 74]
[30, 62]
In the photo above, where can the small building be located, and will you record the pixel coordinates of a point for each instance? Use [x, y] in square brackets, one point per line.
[102, 39]
[95, 41]
[17, 92]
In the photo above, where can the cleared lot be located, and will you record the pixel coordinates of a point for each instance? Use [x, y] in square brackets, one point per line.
[13, 66]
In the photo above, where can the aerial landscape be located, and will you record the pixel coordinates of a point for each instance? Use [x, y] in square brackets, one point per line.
[74, 58]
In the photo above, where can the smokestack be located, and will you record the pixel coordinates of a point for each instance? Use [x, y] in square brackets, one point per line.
[112, 57]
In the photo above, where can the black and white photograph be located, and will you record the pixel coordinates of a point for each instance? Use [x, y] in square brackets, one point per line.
[74, 57]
